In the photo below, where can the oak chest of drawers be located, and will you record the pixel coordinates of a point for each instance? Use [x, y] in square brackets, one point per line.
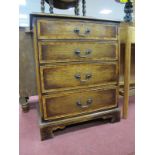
[77, 66]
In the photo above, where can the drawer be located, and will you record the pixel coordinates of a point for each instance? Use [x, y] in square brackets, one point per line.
[76, 51]
[73, 76]
[71, 104]
[75, 29]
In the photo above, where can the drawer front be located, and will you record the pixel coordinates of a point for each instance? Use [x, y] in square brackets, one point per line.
[75, 103]
[73, 76]
[73, 29]
[76, 51]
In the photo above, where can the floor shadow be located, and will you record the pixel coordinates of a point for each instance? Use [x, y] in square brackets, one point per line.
[80, 126]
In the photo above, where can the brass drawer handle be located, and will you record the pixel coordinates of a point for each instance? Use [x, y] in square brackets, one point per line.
[78, 32]
[86, 53]
[86, 105]
[87, 77]
[87, 31]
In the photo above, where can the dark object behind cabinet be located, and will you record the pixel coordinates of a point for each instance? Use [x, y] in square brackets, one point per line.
[27, 75]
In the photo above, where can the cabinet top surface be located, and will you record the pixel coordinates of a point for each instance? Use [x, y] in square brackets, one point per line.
[47, 15]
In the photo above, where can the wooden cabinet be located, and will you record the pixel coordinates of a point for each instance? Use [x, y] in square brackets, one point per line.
[77, 69]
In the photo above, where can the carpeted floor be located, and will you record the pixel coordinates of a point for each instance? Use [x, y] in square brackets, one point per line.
[93, 138]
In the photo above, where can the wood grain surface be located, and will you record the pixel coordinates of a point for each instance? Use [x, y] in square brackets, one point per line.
[64, 77]
[67, 51]
[65, 29]
[68, 104]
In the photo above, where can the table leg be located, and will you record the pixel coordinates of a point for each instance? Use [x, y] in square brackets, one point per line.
[24, 103]
[127, 74]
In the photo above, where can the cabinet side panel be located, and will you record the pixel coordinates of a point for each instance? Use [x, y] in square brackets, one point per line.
[37, 68]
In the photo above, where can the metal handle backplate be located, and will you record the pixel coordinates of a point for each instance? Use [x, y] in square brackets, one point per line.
[85, 105]
[87, 77]
[85, 55]
[82, 34]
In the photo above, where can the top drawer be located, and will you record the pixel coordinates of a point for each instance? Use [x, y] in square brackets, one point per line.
[73, 29]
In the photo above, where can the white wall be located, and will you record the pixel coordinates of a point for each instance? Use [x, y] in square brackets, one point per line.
[93, 9]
